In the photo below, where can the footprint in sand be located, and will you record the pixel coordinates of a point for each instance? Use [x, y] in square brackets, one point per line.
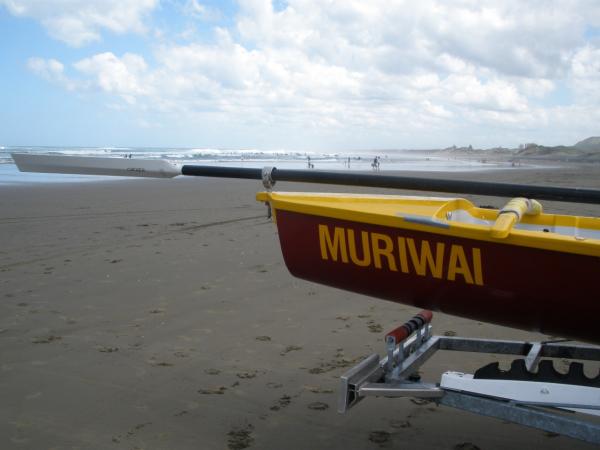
[104, 349]
[240, 438]
[290, 348]
[379, 437]
[215, 391]
[282, 402]
[161, 364]
[374, 327]
[247, 375]
[318, 390]
[46, 340]
[466, 446]
[318, 406]
[395, 423]
[137, 428]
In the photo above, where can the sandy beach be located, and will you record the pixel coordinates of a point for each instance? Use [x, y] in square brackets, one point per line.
[159, 314]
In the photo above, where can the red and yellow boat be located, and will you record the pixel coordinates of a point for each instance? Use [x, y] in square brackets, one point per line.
[516, 266]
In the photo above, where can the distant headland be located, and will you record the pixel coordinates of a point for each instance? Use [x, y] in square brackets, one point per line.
[587, 150]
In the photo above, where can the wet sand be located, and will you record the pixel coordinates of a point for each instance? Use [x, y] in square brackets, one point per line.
[158, 314]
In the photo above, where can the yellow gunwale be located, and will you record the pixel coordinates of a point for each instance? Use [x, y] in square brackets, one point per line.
[336, 206]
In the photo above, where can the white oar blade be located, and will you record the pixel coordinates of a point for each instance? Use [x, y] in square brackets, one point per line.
[88, 165]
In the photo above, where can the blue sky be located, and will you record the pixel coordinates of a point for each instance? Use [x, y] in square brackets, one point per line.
[298, 74]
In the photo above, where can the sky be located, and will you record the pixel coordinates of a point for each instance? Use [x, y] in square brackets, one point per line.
[299, 74]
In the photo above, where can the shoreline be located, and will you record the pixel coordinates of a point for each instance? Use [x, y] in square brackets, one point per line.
[390, 162]
[11, 176]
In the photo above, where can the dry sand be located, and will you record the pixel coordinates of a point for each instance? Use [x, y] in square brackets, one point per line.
[158, 314]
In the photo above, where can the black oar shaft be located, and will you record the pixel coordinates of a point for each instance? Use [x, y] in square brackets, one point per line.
[578, 195]
[442, 185]
[222, 172]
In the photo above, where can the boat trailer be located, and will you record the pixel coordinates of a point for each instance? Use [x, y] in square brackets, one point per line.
[531, 393]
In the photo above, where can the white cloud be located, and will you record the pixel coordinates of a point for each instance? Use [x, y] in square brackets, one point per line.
[51, 70]
[495, 95]
[585, 75]
[79, 22]
[195, 9]
[120, 76]
[391, 68]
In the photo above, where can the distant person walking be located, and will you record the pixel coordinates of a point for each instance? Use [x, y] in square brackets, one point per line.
[375, 164]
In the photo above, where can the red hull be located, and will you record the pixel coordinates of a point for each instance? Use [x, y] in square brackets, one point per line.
[532, 289]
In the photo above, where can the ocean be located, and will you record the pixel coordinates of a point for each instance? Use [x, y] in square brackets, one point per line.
[358, 160]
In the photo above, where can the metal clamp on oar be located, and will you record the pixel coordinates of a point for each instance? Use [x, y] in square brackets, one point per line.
[267, 177]
[512, 213]
[268, 183]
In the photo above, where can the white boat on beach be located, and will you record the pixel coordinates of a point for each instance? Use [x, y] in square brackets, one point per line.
[90, 165]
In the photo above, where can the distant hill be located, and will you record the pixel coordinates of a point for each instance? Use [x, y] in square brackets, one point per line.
[591, 144]
[469, 151]
[560, 151]
[587, 150]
